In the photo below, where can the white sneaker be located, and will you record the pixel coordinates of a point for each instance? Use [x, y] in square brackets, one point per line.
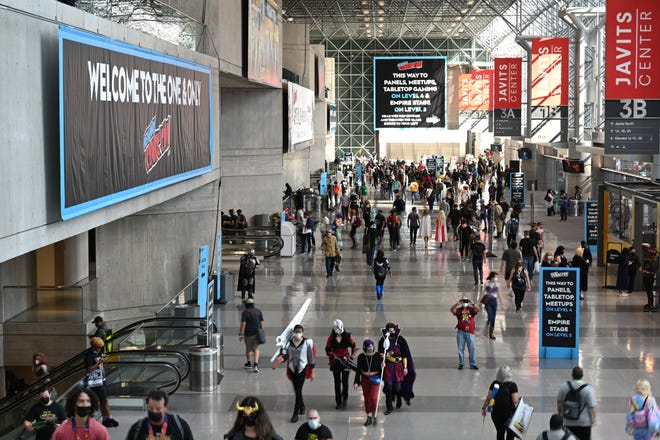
[624, 294]
[256, 369]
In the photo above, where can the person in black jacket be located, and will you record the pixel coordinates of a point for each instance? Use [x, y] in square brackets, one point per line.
[159, 423]
[252, 422]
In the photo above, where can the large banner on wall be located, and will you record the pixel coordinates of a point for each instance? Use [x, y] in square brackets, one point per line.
[301, 112]
[464, 83]
[632, 78]
[264, 60]
[409, 92]
[131, 121]
[480, 90]
[507, 96]
[549, 90]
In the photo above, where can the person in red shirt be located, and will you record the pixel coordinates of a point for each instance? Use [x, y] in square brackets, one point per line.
[81, 403]
[465, 311]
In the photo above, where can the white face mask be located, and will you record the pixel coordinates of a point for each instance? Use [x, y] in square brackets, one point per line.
[494, 280]
[298, 335]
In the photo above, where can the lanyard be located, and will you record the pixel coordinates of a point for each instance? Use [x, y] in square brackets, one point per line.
[85, 431]
[163, 431]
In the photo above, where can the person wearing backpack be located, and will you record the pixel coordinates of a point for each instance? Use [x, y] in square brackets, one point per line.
[381, 268]
[642, 420]
[512, 229]
[246, 271]
[519, 283]
[393, 225]
[501, 402]
[160, 423]
[576, 403]
[556, 431]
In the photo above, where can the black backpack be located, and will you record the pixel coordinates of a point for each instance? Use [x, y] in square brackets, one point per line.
[503, 403]
[573, 406]
[381, 268]
[248, 265]
[518, 279]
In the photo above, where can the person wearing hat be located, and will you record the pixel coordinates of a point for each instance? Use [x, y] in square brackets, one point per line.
[251, 321]
[102, 330]
[252, 422]
[556, 431]
[340, 347]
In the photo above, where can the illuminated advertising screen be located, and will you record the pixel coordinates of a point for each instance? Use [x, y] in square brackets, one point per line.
[131, 121]
[332, 118]
[632, 79]
[549, 90]
[507, 96]
[409, 92]
[264, 60]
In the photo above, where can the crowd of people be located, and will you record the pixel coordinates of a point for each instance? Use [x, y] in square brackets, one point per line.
[466, 206]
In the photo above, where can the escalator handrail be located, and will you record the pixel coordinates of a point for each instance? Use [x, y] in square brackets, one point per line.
[239, 232]
[280, 242]
[173, 353]
[76, 361]
[178, 380]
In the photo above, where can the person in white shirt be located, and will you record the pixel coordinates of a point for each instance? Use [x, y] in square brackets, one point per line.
[299, 356]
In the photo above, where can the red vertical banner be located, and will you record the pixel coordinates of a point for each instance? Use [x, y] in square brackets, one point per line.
[464, 92]
[632, 78]
[550, 58]
[481, 89]
[507, 96]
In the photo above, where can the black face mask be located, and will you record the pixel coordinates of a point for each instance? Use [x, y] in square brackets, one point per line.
[250, 420]
[44, 400]
[155, 417]
[84, 411]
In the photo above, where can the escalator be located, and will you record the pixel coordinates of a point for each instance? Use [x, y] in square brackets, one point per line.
[264, 240]
[148, 354]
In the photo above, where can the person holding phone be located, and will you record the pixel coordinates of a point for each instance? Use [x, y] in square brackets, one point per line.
[465, 310]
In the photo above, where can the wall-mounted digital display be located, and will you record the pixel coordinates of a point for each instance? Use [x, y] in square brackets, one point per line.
[409, 92]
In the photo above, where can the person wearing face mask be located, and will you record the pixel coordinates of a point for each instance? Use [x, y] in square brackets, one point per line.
[340, 347]
[40, 366]
[81, 403]
[252, 422]
[313, 429]
[490, 291]
[548, 260]
[399, 373]
[300, 355]
[368, 377]
[45, 416]
[159, 423]
[519, 282]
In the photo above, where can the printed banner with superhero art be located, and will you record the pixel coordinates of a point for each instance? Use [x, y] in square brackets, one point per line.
[131, 121]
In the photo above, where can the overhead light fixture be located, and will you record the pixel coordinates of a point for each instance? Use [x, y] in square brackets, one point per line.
[464, 10]
[457, 19]
[365, 2]
[365, 11]
[289, 19]
[381, 11]
[470, 2]
[479, 10]
[367, 18]
[381, 3]
[367, 25]
[461, 30]
[381, 19]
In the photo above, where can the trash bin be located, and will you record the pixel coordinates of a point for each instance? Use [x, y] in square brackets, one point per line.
[226, 285]
[218, 341]
[288, 235]
[203, 369]
[575, 207]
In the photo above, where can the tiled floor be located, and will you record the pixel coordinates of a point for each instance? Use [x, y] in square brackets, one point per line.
[618, 345]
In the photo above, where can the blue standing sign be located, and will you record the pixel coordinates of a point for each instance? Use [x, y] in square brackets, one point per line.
[559, 316]
[203, 280]
[591, 225]
[218, 294]
[323, 185]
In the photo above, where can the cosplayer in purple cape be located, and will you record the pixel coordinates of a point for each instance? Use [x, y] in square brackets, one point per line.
[399, 374]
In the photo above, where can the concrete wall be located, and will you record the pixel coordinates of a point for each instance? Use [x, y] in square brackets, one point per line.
[146, 258]
[251, 138]
[29, 131]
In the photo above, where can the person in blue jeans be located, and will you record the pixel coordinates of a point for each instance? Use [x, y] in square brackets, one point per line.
[491, 290]
[465, 311]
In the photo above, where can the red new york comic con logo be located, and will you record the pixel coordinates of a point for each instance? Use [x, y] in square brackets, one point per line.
[410, 65]
[156, 142]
